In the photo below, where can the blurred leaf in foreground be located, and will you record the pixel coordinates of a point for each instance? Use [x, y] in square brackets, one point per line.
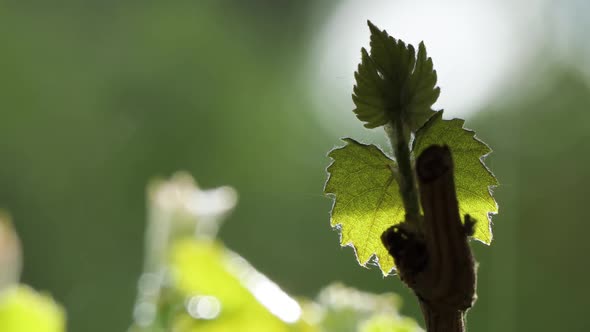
[177, 208]
[224, 293]
[192, 282]
[347, 309]
[24, 310]
[386, 323]
[21, 308]
[200, 285]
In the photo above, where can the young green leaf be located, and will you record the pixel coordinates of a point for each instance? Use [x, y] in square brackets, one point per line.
[392, 83]
[366, 199]
[473, 179]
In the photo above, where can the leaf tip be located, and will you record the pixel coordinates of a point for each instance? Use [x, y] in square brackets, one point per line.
[364, 55]
[371, 25]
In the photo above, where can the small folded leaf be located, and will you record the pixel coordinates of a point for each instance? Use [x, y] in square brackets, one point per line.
[473, 180]
[394, 83]
[421, 91]
[362, 180]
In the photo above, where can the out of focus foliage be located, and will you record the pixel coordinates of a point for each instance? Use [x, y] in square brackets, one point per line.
[214, 290]
[218, 300]
[192, 282]
[385, 323]
[97, 97]
[347, 309]
[24, 310]
[21, 308]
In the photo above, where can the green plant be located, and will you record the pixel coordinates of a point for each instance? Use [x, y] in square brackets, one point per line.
[193, 282]
[380, 209]
[397, 210]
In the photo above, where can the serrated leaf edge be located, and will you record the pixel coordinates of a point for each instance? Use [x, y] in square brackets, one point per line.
[373, 258]
[435, 117]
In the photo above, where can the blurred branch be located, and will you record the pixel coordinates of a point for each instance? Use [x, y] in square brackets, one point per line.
[10, 253]
[177, 208]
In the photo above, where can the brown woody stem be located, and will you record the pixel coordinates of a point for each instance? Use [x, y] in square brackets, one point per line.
[436, 261]
[442, 321]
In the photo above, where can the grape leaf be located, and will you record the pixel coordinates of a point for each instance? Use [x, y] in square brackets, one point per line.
[362, 180]
[394, 83]
[473, 180]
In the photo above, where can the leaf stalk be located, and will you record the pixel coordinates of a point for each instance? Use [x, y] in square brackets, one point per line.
[398, 135]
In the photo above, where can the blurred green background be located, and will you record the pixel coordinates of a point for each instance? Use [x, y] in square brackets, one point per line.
[98, 97]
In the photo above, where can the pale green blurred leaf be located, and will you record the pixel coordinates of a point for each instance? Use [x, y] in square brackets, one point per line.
[473, 180]
[388, 323]
[349, 310]
[206, 269]
[24, 310]
[366, 199]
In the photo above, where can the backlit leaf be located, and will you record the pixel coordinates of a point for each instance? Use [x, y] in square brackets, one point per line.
[473, 180]
[392, 82]
[366, 199]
